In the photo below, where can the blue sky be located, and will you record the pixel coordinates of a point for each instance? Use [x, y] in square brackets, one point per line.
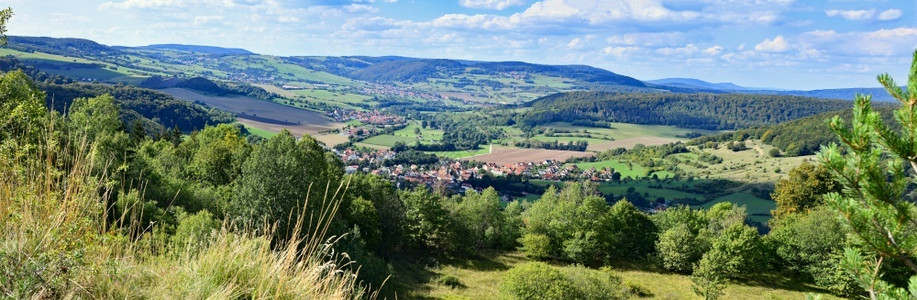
[760, 43]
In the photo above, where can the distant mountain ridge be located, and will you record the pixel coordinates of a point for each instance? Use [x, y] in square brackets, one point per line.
[691, 83]
[198, 49]
[878, 94]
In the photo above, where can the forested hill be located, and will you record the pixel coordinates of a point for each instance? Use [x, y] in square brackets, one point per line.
[418, 70]
[72, 47]
[699, 111]
[803, 136]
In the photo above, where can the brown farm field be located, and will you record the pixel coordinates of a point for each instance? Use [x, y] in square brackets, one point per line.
[631, 142]
[505, 155]
[262, 114]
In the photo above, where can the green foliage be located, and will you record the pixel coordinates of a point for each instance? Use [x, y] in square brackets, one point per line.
[537, 246]
[679, 249]
[386, 233]
[700, 111]
[571, 220]
[628, 233]
[94, 117]
[427, 223]
[279, 177]
[802, 190]
[683, 237]
[22, 112]
[538, 280]
[811, 244]
[479, 220]
[194, 231]
[219, 154]
[874, 178]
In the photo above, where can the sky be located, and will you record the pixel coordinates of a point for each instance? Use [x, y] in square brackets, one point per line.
[783, 44]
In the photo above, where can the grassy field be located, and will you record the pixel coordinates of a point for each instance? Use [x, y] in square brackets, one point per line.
[624, 130]
[258, 131]
[758, 209]
[642, 187]
[463, 153]
[753, 165]
[429, 134]
[482, 277]
[633, 170]
[387, 140]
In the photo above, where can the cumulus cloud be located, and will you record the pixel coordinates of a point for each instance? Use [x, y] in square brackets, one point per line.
[853, 15]
[575, 43]
[714, 50]
[490, 4]
[778, 44]
[890, 15]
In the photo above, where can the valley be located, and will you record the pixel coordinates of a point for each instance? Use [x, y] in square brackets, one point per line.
[437, 178]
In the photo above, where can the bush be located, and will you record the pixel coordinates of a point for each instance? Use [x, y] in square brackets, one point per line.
[536, 245]
[537, 280]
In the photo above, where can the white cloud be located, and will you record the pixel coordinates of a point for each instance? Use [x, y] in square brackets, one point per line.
[490, 4]
[890, 15]
[574, 43]
[778, 44]
[687, 50]
[200, 20]
[714, 50]
[853, 15]
[132, 4]
[883, 42]
[359, 8]
[648, 39]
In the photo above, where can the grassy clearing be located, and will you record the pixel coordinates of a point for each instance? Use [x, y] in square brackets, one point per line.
[482, 277]
[753, 165]
[387, 140]
[259, 132]
[429, 135]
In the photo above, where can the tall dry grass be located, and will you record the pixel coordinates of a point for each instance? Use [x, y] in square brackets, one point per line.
[56, 242]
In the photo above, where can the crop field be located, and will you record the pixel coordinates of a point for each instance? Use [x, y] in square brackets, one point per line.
[504, 155]
[330, 139]
[262, 114]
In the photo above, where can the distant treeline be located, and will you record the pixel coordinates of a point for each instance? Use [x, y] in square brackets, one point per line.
[698, 111]
[205, 85]
[553, 145]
